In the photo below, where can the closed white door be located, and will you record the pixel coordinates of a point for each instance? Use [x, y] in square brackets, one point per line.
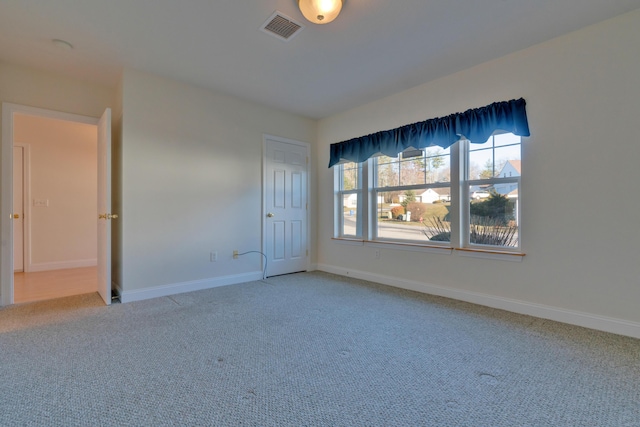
[18, 209]
[104, 206]
[285, 206]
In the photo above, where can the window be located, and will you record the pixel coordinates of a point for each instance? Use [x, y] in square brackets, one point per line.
[415, 197]
[348, 189]
[412, 191]
[492, 179]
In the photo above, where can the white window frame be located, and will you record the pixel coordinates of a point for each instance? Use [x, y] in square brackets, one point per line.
[339, 195]
[465, 148]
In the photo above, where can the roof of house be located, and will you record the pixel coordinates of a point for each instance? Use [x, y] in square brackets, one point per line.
[442, 191]
[516, 164]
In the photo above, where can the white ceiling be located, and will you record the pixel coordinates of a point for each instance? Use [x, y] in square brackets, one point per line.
[373, 49]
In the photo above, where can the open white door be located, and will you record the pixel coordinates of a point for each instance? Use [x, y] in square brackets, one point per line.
[18, 209]
[285, 204]
[104, 206]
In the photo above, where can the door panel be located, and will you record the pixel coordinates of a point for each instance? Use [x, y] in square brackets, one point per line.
[285, 204]
[279, 188]
[278, 241]
[296, 239]
[296, 190]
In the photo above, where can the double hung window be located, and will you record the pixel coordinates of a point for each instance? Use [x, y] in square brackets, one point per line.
[410, 191]
[348, 189]
[492, 212]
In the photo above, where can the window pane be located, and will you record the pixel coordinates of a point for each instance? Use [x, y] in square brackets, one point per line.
[508, 161]
[481, 164]
[414, 215]
[349, 176]
[438, 165]
[430, 166]
[484, 146]
[412, 172]
[493, 218]
[506, 139]
[349, 214]
[488, 160]
[387, 172]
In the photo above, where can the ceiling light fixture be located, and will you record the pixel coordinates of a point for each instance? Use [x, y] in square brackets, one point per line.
[62, 44]
[320, 11]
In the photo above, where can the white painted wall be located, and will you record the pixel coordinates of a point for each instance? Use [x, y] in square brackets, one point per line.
[43, 89]
[192, 181]
[583, 104]
[63, 171]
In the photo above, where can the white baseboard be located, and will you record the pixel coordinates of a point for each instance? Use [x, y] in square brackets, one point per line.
[61, 265]
[178, 288]
[587, 320]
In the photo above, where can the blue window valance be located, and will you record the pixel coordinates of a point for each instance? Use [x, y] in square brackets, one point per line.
[476, 125]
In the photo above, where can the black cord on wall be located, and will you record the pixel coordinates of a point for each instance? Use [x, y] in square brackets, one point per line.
[264, 272]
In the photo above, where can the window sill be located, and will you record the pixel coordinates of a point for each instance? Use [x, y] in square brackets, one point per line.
[490, 254]
[348, 241]
[446, 250]
[414, 247]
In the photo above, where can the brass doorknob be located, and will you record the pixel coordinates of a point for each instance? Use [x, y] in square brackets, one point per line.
[16, 216]
[107, 216]
[270, 215]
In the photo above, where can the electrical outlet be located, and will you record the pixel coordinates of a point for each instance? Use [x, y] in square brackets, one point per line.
[377, 254]
[235, 254]
[214, 256]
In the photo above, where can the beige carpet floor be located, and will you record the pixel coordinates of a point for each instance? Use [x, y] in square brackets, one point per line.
[310, 349]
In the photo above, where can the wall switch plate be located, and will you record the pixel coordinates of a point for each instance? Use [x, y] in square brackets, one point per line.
[41, 202]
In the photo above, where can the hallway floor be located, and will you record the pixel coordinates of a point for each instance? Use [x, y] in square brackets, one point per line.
[44, 285]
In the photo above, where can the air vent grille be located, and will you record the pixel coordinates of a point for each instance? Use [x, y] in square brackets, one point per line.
[281, 26]
[411, 153]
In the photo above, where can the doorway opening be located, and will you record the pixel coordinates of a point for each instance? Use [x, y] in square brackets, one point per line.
[55, 244]
[53, 195]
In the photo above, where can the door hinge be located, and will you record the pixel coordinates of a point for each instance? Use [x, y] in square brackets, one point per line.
[307, 159]
[307, 252]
